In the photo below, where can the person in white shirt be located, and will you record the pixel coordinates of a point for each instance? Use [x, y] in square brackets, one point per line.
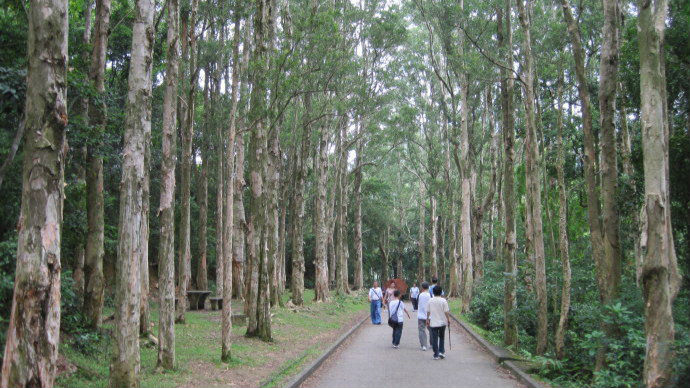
[422, 301]
[396, 307]
[375, 296]
[414, 293]
[438, 318]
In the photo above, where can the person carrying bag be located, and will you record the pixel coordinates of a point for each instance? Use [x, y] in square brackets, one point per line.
[395, 317]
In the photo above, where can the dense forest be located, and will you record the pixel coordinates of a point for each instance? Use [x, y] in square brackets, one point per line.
[533, 155]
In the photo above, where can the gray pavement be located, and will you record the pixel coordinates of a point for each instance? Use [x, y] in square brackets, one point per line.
[367, 359]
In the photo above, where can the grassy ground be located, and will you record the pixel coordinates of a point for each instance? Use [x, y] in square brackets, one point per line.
[299, 336]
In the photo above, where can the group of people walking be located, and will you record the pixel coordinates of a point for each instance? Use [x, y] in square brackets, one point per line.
[433, 313]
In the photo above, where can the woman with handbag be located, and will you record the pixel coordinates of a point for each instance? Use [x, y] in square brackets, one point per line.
[396, 307]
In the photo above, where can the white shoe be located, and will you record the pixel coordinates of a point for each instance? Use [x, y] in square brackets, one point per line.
[442, 355]
[423, 348]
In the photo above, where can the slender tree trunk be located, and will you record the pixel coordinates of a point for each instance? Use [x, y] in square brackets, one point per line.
[93, 264]
[145, 313]
[505, 41]
[658, 267]
[259, 320]
[321, 291]
[383, 247]
[359, 252]
[282, 233]
[124, 369]
[603, 248]
[466, 201]
[228, 207]
[31, 350]
[331, 218]
[532, 182]
[626, 143]
[297, 280]
[434, 238]
[342, 285]
[610, 267]
[238, 244]
[166, 249]
[185, 254]
[421, 243]
[201, 272]
[562, 228]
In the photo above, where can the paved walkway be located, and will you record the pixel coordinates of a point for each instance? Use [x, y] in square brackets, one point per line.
[367, 359]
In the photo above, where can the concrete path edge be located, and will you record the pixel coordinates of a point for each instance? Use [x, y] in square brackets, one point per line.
[298, 379]
[501, 355]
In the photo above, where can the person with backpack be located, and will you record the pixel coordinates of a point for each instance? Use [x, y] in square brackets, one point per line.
[396, 307]
[434, 281]
[375, 296]
[437, 318]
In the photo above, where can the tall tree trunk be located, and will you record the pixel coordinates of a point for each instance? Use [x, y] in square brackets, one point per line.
[658, 268]
[505, 41]
[421, 243]
[297, 280]
[31, 350]
[201, 272]
[166, 248]
[145, 313]
[466, 201]
[532, 182]
[228, 206]
[626, 143]
[434, 238]
[94, 286]
[331, 218]
[342, 285]
[282, 233]
[124, 369]
[562, 228]
[359, 265]
[187, 127]
[609, 269]
[259, 319]
[321, 291]
[238, 244]
[383, 247]
[608, 284]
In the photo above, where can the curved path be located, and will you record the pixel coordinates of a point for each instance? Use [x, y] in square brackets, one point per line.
[367, 359]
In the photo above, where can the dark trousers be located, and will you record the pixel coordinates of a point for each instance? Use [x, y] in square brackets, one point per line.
[438, 336]
[414, 303]
[397, 333]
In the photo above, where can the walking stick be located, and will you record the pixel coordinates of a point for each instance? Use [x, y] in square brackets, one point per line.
[450, 344]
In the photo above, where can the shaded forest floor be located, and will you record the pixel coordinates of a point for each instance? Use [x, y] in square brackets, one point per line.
[299, 337]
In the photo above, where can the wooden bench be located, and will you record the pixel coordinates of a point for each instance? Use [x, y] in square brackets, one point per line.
[216, 302]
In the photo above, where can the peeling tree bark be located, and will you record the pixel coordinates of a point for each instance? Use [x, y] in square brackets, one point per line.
[321, 291]
[297, 280]
[166, 250]
[259, 319]
[31, 349]
[605, 247]
[658, 267]
[532, 182]
[94, 286]
[124, 369]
